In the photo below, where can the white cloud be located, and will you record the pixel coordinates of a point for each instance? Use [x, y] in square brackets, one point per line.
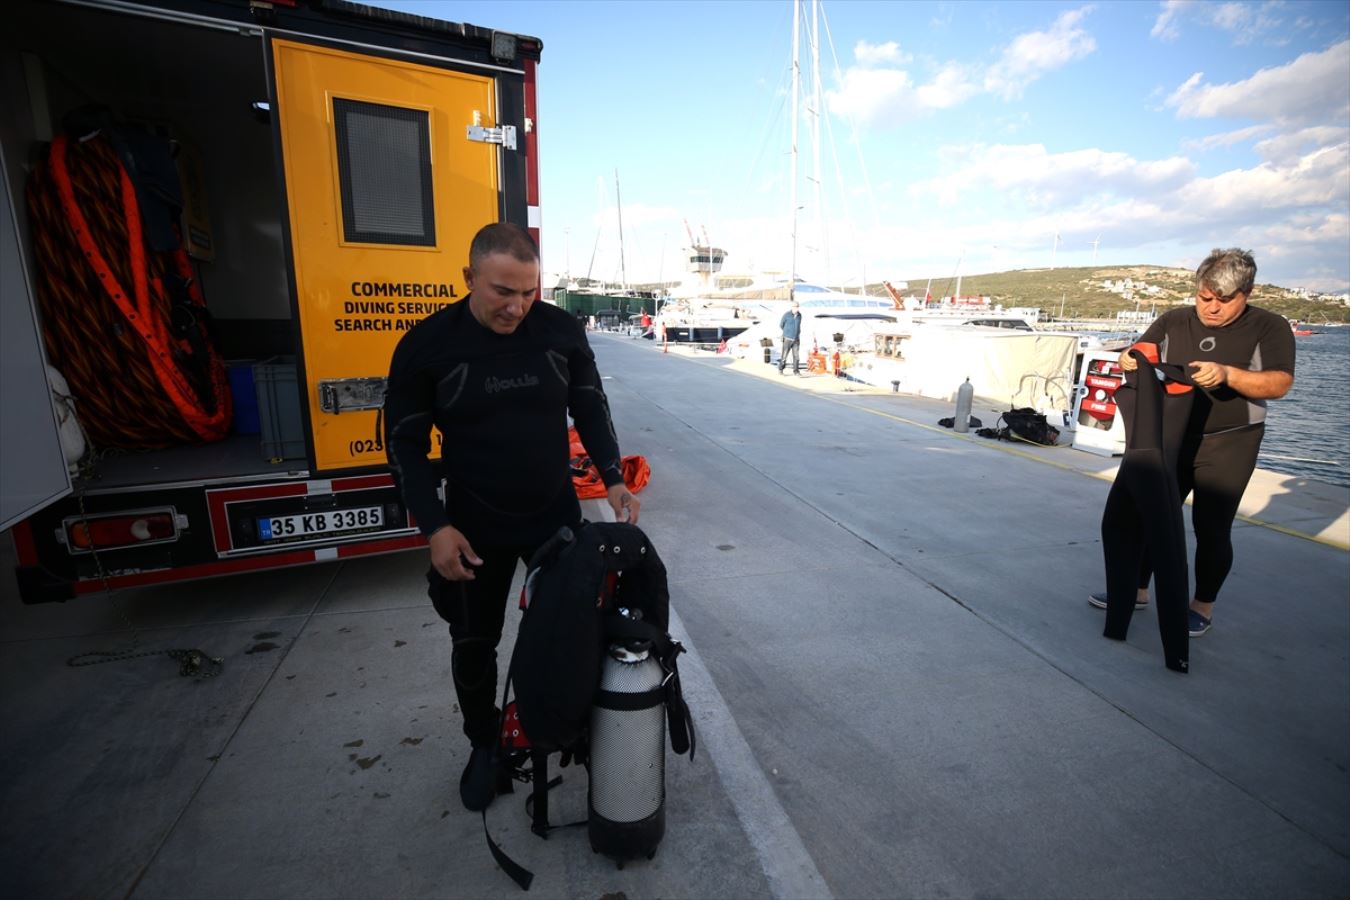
[870, 94]
[1318, 229]
[1312, 88]
[871, 54]
[1285, 149]
[943, 19]
[1033, 54]
[1042, 179]
[950, 87]
[1227, 138]
[878, 87]
[1231, 16]
[1166, 27]
[1320, 178]
[1291, 208]
[1246, 22]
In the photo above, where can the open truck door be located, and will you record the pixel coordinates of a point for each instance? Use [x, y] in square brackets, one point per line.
[33, 474]
[390, 167]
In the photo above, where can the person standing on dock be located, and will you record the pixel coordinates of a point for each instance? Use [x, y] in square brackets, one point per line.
[1239, 356]
[497, 375]
[791, 325]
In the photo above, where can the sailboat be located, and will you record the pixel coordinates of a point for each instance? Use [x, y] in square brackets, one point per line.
[927, 351]
[830, 318]
[611, 306]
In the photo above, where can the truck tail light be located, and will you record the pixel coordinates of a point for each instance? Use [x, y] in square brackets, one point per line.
[85, 534]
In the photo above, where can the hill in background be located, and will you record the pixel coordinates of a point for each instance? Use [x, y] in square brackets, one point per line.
[1083, 292]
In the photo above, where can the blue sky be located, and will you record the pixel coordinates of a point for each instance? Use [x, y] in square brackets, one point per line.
[952, 134]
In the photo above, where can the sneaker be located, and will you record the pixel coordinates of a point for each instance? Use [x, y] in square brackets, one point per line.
[1099, 601]
[478, 784]
[1199, 624]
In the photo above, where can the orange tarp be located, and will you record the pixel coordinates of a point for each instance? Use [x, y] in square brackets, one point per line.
[586, 477]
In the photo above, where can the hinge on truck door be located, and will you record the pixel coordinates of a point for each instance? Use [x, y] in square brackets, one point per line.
[338, 395]
[504, 135]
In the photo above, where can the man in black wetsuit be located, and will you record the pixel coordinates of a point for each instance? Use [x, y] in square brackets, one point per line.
[497, 375]
[1239, 356]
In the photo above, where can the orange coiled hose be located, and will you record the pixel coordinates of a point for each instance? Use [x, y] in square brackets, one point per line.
[107, 313]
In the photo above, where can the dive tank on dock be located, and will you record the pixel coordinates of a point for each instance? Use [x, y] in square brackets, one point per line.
[627, 796]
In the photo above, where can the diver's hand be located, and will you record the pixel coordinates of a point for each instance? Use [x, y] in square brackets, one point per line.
[1126, 361]
[451, 554]
[1208, 374]
[624, 503]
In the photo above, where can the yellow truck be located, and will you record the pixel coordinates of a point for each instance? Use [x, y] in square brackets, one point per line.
[334, 161]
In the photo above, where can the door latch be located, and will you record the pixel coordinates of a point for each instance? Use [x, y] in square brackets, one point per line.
[339, 395]
[503, 134]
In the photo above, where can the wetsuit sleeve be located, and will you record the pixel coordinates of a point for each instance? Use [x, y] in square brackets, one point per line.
[409, 400]
[1277, 346]
[1156, 331]
[589, 407]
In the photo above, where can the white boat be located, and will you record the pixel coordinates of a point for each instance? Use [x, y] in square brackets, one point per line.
[1013, 366]
[690, 315]
[695, 321]
[830, 321]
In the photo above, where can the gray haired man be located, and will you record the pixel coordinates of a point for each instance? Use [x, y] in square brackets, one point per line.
[1239, 356]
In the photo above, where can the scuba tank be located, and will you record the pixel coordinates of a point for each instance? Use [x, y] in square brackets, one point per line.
[627, 795]
[965, 396]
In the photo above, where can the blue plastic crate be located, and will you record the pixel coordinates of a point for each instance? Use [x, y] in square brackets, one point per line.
[279, 414]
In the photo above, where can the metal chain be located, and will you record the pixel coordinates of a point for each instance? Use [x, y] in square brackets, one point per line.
[87, 470]
[191, 660]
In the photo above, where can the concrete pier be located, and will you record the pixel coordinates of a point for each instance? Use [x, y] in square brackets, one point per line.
[899, 687]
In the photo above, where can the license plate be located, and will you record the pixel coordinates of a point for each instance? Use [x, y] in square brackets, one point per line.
[333, 521]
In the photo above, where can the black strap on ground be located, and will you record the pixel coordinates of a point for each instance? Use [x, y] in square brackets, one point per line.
[536, 807]
[519, 874]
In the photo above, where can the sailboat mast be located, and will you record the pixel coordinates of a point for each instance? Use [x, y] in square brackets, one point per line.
[618, 204]
[600, 205]
[796, 112]
[816, 113]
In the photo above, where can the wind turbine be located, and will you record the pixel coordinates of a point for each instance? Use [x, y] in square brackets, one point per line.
[1094, 249]
[1053, 251]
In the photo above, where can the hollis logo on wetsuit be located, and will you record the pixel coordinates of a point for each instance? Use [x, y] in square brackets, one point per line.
[493, 384]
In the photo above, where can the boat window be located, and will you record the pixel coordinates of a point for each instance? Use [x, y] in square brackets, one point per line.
[384, 171]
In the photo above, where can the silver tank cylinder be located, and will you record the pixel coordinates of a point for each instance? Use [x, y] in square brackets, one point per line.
[628, 758]
[965, 398]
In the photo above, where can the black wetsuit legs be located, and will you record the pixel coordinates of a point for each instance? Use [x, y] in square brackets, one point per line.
[1142, 518]
[476, 611]
[1216, 467]
[1223, 465]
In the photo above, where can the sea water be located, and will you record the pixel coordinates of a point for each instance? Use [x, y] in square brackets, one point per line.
[1308, 430]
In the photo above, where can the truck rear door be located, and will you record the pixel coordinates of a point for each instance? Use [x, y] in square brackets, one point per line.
[387, 180]
[32, 468]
